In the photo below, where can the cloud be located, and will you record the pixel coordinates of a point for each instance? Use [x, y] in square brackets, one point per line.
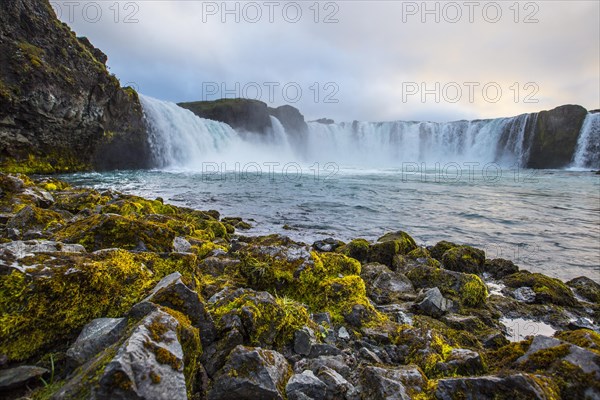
[364, 61]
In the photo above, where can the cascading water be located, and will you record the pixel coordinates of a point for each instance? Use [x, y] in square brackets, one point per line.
[179, 138]
[587, 152]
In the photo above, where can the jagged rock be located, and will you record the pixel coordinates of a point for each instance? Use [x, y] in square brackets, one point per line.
[323, 349]
[214, 357]
[517, 386]
[148, 365]
[337, 363]
[369, 356]
[12, 252]
[343, 333]
[95, 337]
[463, 362]
[68, 112]
[337, 385]
[307, 384]
[19, 376]
[524, 294]
[586, 288]
[304, 339]
[433, 303]
[384, 286]
[251, 373]
[357, 316]
[173, 293]
[385, 384]
[181, 245]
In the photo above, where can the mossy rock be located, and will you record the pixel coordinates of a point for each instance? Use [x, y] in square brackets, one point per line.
[440, 248]
[356, 248]
[468, 289]
[585, 338]
[32, 218]
[586, 288]
[114, 231]
[547, 290]
[76, 200]
[464, 259]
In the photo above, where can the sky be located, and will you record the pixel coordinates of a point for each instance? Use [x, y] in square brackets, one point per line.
[354, 60]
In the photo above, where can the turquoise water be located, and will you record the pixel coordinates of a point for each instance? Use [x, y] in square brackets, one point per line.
[545, 221]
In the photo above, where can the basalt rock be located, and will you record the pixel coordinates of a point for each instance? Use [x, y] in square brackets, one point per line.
[60, 108]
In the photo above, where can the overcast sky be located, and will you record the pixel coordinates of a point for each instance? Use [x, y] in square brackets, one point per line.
[365, 60]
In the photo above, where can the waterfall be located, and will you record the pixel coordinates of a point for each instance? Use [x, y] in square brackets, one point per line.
[587, 152]
[178, 138]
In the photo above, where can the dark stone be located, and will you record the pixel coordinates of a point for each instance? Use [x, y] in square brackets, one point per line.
[241, 114]
[20, 376]
[384, 384]
[58, 100]
[384, 286]
[440, 248]
[306, 384]
[95, 337]
[329, 244]
[173, 293]
[463, 362]
[304, 339]
[554, 137]
[318, 350]
[586, 288]
[433, 303]
[251, 373]
[517, 386]
[499, 268]
[357, 316]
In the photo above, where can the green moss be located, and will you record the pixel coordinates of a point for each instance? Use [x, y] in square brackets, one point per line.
[76, 200]
[48, 164]
[35, 218]
[505, 356]
[464, 259]
[440, 248]
[357, 249]
[33, 53]
[474, 292]
[585, 338]
[548, 290]
[42, 309]
[389, 245]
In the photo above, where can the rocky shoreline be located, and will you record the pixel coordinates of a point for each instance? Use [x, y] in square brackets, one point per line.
[111, 296]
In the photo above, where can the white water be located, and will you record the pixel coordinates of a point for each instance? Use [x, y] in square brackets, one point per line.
[587, 152]
[180, 139]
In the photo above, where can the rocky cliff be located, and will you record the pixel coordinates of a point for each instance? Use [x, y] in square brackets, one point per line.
[60, 109]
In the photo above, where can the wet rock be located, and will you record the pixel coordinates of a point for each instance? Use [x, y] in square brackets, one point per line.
[440, 248]
[499, 268]
[524, 294]
[380, 383]
[357, 249]
[465, 259]
[304, 339]
[547, 290]
[586, 288]
[517, 386]
[181, 245]
[384, 286]
[432, 303]
[95, 337]
[329, 244]
[306, 384]
[20, 376]
[173, 293]
[148, 365]
[251, 373]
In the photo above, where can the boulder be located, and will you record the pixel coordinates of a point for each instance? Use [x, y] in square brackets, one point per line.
[499, 268]
[251, 373]
[306, 385]
[384, 384]
[519, 386]
[432, 303]
[16, 377]
[384, 286]
[465, 259]
[95, 337]
[304, 339]
[586, 288]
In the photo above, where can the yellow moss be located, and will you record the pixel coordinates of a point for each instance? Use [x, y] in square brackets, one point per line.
[154, 377]
[585, 338]
[44, 165]
[474, 292]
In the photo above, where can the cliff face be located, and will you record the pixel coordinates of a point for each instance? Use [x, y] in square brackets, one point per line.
[554, 136]
[60, 109]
